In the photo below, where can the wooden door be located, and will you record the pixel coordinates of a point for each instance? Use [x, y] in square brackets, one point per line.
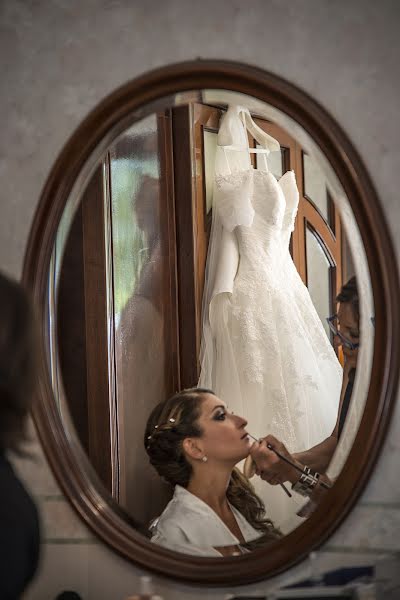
[192, 125]
[142, 277]
[117, 313]
[82, 332]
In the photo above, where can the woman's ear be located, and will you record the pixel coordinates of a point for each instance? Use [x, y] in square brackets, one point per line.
[193, 448]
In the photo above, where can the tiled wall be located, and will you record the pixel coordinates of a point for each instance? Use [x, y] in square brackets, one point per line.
[59, 58]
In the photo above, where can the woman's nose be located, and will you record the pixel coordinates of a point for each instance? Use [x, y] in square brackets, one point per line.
[241, 421]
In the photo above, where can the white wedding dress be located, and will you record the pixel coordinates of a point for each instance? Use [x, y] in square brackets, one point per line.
[264, 350]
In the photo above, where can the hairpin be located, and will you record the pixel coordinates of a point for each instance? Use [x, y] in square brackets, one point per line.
[170, 420]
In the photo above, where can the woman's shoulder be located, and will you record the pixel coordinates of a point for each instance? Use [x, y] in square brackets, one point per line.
[184, 513]
[182, 505]
[181, 526]
[171, 523]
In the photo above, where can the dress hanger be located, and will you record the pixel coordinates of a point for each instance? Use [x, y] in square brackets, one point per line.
[225, 138]
[268, 143]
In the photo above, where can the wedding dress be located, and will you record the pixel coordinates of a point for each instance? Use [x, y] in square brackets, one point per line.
[264, 350]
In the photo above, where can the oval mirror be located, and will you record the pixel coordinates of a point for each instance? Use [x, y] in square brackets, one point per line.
[209, 226]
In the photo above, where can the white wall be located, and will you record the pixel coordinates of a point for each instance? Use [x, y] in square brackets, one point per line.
[59, 58]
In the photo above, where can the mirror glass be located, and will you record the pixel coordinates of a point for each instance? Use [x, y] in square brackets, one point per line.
[206, 246]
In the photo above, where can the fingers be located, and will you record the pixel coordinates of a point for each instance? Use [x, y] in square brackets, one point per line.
[254, 446]
[260, 448]
[275, 480]
[264, 459]
[269, 466]
[272, 479]
[275, 443]
[271, 439]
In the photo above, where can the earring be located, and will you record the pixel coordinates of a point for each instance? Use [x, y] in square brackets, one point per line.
[204, 459]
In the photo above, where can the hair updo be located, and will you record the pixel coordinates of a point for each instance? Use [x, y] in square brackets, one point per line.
[169, 424]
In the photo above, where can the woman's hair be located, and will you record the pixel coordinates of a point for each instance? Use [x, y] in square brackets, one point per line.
[349, 294]
[177, 419]
[18, 356]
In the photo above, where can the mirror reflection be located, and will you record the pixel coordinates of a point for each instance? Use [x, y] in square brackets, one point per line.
[205, 296]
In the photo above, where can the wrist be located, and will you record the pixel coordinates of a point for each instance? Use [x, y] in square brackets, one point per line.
[300, 458]
[306, 482]
[293, 475]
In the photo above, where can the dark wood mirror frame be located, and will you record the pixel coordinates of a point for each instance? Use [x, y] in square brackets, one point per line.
[66, 459]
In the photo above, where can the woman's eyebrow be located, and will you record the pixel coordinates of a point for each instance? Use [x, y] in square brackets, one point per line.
[219, 406]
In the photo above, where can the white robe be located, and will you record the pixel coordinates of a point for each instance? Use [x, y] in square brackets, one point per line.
[189, 525]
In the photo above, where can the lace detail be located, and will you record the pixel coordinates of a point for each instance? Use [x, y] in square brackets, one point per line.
[234, 196]
[291, 193]
[233, 199]
[278, 343]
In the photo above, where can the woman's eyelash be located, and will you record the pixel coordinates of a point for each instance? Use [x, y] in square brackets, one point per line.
[220, 416]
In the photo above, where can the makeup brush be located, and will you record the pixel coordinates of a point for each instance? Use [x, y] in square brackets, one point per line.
[292, 464]
[286, 460]
[249, 468]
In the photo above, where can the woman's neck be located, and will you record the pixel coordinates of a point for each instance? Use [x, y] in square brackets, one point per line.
[210, 486]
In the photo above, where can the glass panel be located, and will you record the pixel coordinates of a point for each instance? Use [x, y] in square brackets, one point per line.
[140, 261]
[275, 162]
[315, 185]
[210, 147]
[318, 277]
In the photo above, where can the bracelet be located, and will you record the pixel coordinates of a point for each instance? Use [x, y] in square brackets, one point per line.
[307, 482]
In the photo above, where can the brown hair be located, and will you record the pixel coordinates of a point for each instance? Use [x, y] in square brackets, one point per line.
[168, 425]
[18, 355]
[349, 294]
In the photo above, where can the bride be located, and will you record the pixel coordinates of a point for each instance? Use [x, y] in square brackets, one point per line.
[194, 444]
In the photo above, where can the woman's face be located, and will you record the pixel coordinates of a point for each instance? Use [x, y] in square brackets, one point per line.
[146, 205]
[348, 327]
[224, 435]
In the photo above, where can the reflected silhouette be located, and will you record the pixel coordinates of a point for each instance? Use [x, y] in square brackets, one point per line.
[140, 359]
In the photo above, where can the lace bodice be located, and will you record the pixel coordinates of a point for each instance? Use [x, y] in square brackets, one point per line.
[260, 209]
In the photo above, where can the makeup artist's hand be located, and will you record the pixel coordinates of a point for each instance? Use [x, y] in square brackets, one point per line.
[270, 467]
[316, 496]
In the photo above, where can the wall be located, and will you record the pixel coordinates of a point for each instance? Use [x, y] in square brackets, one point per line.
[59, 58]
